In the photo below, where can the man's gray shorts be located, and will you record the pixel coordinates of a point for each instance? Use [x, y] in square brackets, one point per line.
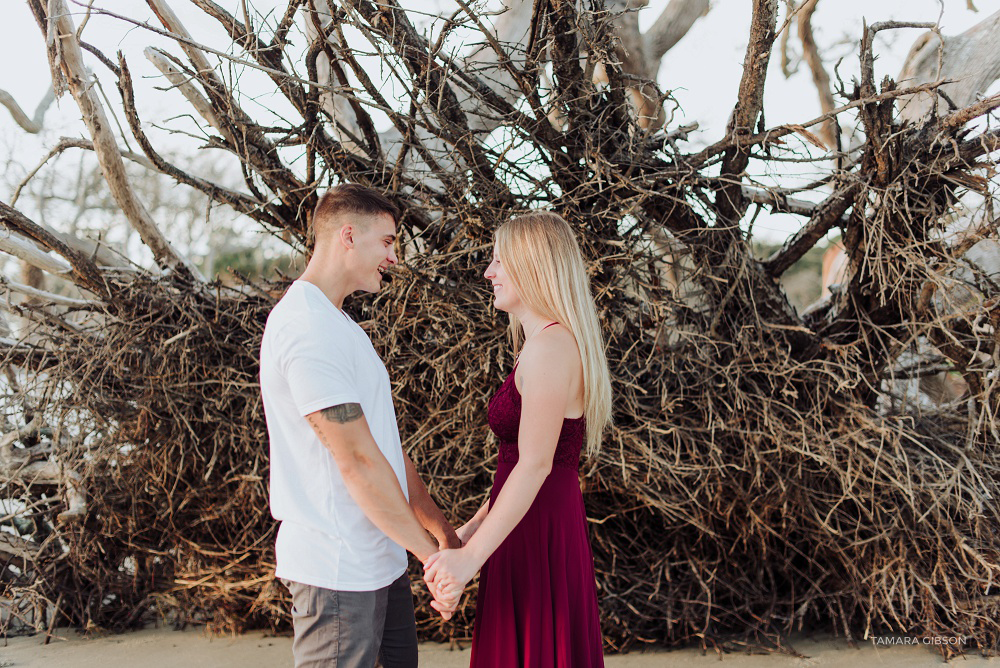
[351, 629]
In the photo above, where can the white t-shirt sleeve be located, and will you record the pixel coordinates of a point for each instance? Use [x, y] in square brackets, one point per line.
[319, 368]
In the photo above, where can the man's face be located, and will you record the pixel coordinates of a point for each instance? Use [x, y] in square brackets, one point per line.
[374, 250]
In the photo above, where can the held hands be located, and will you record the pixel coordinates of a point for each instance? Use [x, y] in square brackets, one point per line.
[446, 574]
[448, 571]
[446, 605]
[445, 601]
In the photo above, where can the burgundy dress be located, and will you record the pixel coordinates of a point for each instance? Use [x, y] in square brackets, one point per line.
[537, 604]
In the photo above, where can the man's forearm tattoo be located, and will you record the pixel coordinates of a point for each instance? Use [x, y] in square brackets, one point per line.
[342, 413]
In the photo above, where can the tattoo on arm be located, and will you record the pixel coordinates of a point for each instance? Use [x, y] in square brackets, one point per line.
[342, 413]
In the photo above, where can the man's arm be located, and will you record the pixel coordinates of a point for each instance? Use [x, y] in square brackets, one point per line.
[427, 512]
[369, 478]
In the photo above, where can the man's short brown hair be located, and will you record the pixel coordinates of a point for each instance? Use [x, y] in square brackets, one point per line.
[350, 198]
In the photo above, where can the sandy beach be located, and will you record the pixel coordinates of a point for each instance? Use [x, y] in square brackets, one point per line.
[193, 648]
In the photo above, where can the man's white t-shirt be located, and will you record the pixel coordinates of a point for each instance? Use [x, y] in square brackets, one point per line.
[314, 356]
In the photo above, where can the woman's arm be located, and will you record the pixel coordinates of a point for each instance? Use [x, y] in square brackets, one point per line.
[547, 369]
[466, 531]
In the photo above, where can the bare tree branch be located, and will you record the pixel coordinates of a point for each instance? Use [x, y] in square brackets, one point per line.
[749, 105]
[780, 202]
[252, 144]
[195, 54]
[105, 146]
[184, 85]
[810, 52]
[264, 53]
[828, 214]
[769, 137]
[238, 201]
[85, 272]
[33, 124]
[673, 23]
[45, 296]
[67, 143]
[28, 252]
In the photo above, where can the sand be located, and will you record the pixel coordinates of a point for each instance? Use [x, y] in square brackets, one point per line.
[193, 648]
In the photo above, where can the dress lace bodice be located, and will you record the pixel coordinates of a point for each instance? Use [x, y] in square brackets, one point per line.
[504, 416]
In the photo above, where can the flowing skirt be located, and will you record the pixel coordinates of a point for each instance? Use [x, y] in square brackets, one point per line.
[537, 602]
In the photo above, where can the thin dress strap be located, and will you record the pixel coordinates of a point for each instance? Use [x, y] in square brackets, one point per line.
[518, 358]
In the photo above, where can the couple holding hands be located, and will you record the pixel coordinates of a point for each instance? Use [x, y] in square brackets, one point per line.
[350, 501]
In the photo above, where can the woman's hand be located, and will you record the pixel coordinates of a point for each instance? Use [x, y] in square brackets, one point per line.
[465, 531]
[448, 571]
[443, 600]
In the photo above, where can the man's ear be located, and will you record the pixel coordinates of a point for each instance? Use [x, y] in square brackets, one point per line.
[347, 236]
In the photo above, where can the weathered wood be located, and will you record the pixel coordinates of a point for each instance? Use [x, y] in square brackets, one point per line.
[970, 61]
[827, 214]
[28, 252]
[173, 24]
[730, 203]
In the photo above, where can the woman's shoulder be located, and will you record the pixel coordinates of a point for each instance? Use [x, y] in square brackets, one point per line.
[556, 334]
[551, 350]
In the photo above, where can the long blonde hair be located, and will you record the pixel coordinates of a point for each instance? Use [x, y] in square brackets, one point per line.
[541, 254]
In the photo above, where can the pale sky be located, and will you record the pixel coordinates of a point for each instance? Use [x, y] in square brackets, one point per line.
[703, 70]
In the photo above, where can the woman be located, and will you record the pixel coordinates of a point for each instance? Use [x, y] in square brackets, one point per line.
[537, 603]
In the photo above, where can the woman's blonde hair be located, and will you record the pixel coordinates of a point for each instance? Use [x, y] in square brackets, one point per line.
[540, 253]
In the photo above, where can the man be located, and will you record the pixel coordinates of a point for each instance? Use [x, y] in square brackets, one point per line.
[348, 497]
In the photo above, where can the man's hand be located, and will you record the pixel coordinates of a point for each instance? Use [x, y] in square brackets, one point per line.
[449, 541]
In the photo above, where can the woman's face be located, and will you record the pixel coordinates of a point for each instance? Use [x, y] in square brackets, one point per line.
[505, 296]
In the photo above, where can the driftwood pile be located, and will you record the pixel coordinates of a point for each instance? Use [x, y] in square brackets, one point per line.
[768, 471]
